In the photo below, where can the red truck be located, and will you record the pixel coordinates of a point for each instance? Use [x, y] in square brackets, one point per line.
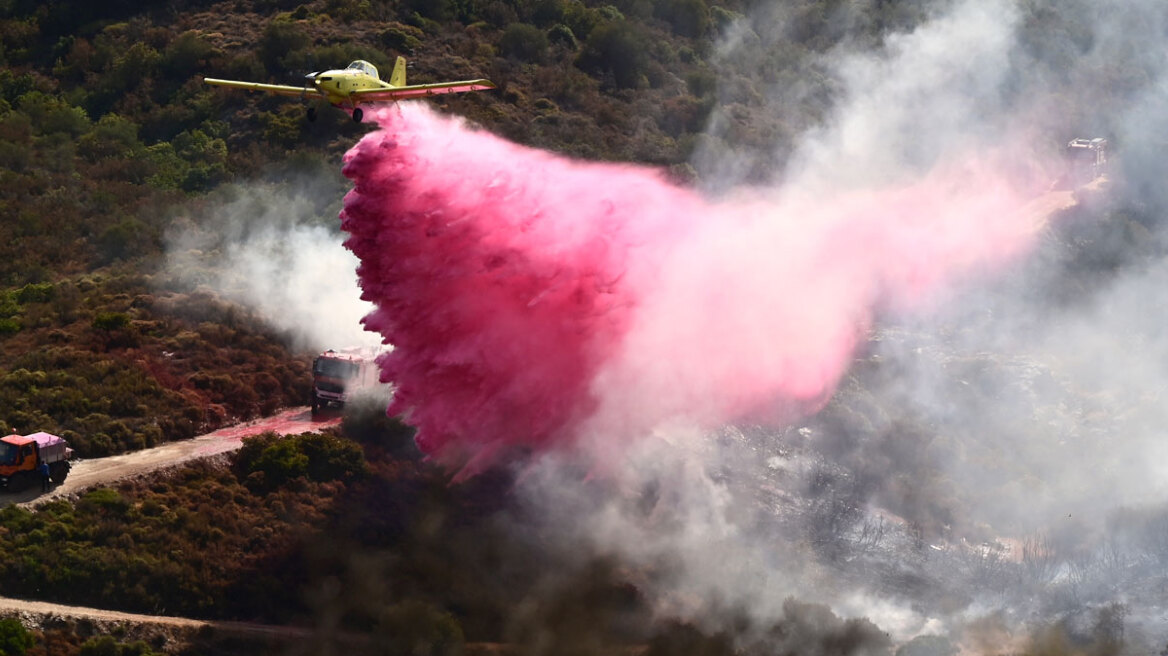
[337, 375]
[21, 456]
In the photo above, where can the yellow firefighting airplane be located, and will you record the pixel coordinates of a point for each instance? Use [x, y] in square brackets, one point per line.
[358, 83]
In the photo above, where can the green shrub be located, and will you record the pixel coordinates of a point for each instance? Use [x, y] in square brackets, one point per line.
[581, 19]
[689, 18]
[330, 457]
[36, 293]
[103, 501]
[15, 640]
[723, 18]
[186, 55]
[279, 462]
[54, 116]
[284, 128]
[415, 627]
[110, 321]
[615, 49]
[348, 11]
[436, 10]
[280, 38]
[561, 35]
[123, 240]
[112, 136]
[524, 42]
[108, 646]
[269, 461]
[365, 421]
[545, 12]
[401, 38]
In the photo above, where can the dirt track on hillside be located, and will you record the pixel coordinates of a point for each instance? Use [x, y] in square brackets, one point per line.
[103, 471]
[180, 630]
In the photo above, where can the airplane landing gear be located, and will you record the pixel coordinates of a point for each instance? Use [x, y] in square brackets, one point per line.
[358, 114]
[311, 114]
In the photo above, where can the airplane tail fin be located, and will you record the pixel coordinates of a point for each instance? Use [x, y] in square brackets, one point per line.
[398, 79]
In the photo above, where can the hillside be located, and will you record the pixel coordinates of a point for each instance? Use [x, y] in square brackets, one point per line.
[126, 183]
[110, 143]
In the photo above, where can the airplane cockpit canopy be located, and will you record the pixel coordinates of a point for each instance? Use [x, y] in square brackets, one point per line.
[362, 65]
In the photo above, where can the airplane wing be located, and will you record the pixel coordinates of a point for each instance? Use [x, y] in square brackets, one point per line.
[278, 89]
[420, 90]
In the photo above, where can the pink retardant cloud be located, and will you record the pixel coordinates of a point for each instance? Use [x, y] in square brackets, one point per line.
[537, 302]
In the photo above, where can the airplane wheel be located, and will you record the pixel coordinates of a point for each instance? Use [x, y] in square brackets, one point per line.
[311, 114]
[358, 114]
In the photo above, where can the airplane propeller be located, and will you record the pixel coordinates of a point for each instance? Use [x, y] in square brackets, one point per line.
[309, 83]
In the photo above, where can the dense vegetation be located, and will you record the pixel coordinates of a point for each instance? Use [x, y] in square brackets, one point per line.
[110, 143]
[107, 136]
[358, 537]
[109, 140]
[174, 545]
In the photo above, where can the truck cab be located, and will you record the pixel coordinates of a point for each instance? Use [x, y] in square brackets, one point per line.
[20, 455]
[1087, 159]
[337, 375]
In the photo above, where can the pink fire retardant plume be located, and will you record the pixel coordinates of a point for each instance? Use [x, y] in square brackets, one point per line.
[538, 302]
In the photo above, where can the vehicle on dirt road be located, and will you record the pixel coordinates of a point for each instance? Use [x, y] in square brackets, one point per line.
[1087, 159]
[22, 455]
[338, 375]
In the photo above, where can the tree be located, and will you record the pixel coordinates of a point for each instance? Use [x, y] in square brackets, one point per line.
[280, 38]
[186, 55]
[112, 136]
[15, 640]
[524, 42]
[617, 49]
[689, 18]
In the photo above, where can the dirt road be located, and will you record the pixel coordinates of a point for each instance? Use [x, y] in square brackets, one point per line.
[1040, 210]
[103, 471]
[181, 630]
[264, 638]
[173, 631]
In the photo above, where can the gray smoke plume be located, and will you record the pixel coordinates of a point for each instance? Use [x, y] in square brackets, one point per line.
[993, 465]
[276, 248]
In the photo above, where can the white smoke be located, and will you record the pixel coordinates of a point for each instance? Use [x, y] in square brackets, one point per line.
[277, 248]
[1035, 401]
[924, 96]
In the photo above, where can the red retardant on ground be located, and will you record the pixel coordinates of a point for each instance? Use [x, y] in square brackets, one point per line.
[534, 301]
[288, 422]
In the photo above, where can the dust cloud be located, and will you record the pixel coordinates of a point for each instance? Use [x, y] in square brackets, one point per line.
[275, 247]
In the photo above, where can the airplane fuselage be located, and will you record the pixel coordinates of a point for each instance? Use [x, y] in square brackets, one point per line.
[337, 85]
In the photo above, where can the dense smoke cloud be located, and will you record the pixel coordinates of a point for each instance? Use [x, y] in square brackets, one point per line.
[275, 247]
[979, 451]
[979, 466]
